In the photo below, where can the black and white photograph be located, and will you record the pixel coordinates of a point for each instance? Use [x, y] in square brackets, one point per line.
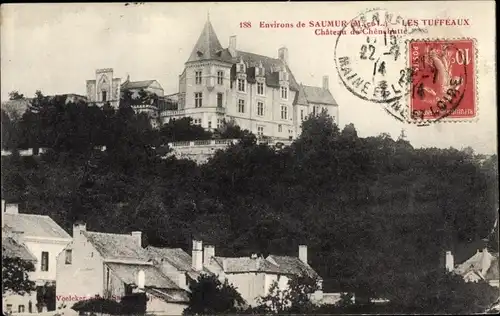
[271, 158]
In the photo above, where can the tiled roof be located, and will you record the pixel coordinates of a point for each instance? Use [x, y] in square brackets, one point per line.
[318, 95]
[12, 249]
[271, 66]
[300, 97]
[128, 273]
[177, 257]
[117, 246]
[292, 265]
[474, 263]
[207, 46]
[35, 225]
[246, 264]
[137, 84]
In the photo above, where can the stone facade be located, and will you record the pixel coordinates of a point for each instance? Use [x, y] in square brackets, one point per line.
[105, 88]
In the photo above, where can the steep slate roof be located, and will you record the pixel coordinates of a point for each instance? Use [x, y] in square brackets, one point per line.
[207, 46]
[246, 264]
[318, 95]
[253, 60]
[12, 249]
[292, 265]
[117, 246]
[35, 225]
[153, 277]
[137, 84]
[474, 264]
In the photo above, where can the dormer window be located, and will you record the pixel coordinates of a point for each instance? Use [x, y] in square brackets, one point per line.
[241, 68]
[241, 85]
[199, 53]
[260, 88]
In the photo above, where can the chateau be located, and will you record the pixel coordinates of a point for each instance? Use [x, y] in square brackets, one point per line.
[259, 93]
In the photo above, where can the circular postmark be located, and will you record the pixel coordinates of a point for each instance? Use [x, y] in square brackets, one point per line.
[370, 59]
[442, 81]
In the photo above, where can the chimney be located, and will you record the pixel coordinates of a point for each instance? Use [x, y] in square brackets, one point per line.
[283, 54]
[141, 279]
[12, 208]
[303, 253]
[232, 45]
[449, 261]
[138, 237]
[197, 255]
[79, 227]
[208, 253]
[326, 83]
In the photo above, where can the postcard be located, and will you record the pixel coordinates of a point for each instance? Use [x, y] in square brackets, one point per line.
[266, 158]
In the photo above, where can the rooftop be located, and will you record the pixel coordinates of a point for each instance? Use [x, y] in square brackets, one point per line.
[117, 246]
[35, 225]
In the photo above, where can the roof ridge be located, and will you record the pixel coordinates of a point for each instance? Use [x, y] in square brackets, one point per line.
[25, 214]
[102, 233]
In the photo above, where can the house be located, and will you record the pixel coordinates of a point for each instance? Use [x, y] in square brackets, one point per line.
[253, 276]
[483, 265]
[114, 266]
[259, 93]
[44, 239]
[177, 264]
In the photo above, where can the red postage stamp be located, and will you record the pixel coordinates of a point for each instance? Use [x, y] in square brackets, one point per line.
[443, 79]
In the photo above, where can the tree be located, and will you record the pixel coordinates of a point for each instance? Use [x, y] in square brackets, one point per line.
[183, 130]
[295, 299]
[15, 276]
[209, 296]
[15, 95]
[440, 292]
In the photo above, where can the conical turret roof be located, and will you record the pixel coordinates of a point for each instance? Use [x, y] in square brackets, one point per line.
[207, 46]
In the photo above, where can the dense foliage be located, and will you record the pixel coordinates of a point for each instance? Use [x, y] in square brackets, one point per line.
[209, 296]
[373, 210]
[15, 276]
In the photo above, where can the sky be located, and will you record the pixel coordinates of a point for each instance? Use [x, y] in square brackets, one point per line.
[55, 48]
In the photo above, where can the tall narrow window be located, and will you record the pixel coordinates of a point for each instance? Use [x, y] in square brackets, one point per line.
[21, 309]
[284, 112]
[260, 88]
[220, 99]
[45, 261]
[197, 77]
[209, 124]
[198, 99]
[280, 128]
[68, 258]
[241, 106]
[220, 77]
[241, 85]
[104, 96]
[301, 115]
[284, 93]
[260, 108]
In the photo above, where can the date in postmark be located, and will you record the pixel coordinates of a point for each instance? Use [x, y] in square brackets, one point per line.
[372, 65]
[443, 80]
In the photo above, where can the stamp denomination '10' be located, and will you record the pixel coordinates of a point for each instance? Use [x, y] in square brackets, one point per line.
[443, 81]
